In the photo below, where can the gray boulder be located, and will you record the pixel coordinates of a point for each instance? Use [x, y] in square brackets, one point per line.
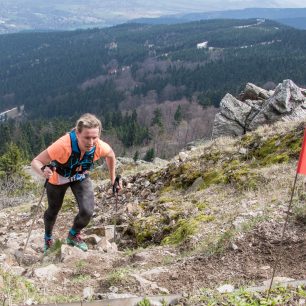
[226, 127]
[254, 92]
[231, 120]
[235, 110]
[258, 107]
[286, 103]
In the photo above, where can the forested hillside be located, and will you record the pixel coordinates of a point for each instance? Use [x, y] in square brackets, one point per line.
[158, 71]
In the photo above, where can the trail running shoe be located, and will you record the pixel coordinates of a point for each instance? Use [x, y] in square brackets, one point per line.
[48, 244]
[77, 242]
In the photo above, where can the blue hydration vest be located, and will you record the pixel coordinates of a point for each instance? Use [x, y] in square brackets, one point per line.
[75, 167]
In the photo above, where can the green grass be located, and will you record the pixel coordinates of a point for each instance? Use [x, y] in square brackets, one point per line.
[299, 212]
[56, 247]
[278, 296]
[80, 266]
[69, 203]
[117, 276]
[146, 302]
[17, 290]
[80, 279]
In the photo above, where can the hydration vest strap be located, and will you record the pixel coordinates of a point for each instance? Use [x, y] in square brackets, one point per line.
[92, 151]
[74, 142]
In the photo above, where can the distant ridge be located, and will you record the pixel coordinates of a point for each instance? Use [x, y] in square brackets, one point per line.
[295, 17]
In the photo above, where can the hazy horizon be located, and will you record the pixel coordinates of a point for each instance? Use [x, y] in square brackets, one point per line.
[19, 15]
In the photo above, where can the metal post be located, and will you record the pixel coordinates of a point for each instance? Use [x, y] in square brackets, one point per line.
[283, 234]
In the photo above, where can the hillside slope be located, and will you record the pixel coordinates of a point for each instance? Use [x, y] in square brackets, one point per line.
[65, 73]
[212, 216]
[154, 87]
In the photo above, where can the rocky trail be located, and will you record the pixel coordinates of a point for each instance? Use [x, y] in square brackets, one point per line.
[176, 234]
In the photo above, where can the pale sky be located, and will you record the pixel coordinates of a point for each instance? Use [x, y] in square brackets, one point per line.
[178, 4]
[109, 12]
[210, 5]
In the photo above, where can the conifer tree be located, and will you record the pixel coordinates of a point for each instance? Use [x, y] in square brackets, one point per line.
[11, 162]
[150, 155]
[178, 115]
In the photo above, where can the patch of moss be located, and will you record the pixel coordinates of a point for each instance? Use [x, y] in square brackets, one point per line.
[235, 175]
[167, 189]
[174, 213]
[267, 147]
[146, 228]
[165, 199]
[174, 170]
[247, 140]
[211, 178]
[275, 159]
[188, 179]
[212, 156]
[201, 206]
[204, 218]
[240, 174]
[183, 175]
[279, 149]
[154, 177]
[292, 142]
[184, 229]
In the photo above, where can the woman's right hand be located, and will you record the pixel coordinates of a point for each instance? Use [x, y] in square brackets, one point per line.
[47, 171]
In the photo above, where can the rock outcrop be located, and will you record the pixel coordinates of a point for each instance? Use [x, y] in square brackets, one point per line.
[257, 106]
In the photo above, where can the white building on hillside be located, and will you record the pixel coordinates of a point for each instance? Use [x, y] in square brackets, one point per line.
[202, 45]
[11, 113]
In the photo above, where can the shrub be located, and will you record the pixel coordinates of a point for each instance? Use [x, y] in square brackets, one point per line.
[150, 154]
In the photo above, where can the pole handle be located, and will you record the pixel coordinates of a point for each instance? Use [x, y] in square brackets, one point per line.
[116, 185]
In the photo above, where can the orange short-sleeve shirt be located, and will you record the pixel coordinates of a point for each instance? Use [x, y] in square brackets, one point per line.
[61, 150]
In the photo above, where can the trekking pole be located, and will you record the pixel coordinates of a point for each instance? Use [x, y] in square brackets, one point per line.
[34, 219]
[52, 167]
[116, 188]
[283, 234]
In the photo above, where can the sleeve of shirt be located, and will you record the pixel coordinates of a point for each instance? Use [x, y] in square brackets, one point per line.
[60, 150]
[102, 149]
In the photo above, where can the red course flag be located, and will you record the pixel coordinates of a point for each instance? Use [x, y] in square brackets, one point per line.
[301, 168]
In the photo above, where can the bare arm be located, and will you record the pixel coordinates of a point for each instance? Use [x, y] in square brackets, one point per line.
[41, 160]
[110, 159]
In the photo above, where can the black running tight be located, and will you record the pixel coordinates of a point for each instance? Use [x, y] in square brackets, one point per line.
[83, 192]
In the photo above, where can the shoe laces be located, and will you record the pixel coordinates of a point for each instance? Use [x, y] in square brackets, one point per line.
[78, 237]
[48, 242]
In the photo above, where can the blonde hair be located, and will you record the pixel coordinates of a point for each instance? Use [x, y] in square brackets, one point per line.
[88, 121]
